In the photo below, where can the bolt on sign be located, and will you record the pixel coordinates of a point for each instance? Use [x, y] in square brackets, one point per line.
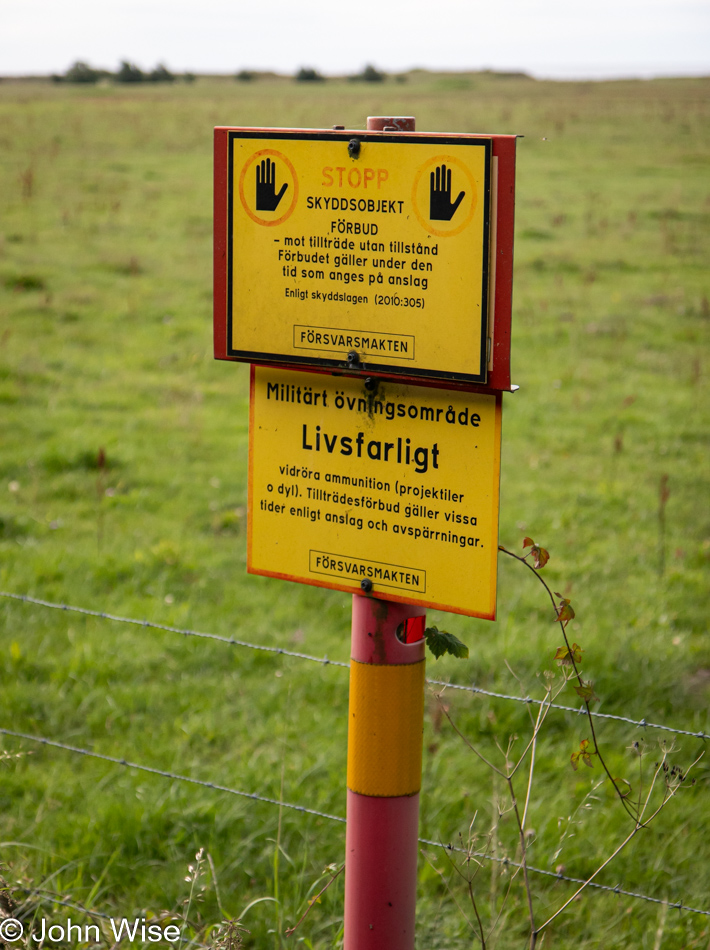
[386, 253]
[396, 486]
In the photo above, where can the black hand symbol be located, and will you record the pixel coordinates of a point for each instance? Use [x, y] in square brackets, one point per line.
[440, 206]
[266, 197]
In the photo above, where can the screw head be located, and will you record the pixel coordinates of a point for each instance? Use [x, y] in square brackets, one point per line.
[366, 585]
[354, 148]
[353, 357]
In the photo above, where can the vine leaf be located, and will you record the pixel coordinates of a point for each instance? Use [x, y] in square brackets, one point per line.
[566, 656]
[586, 692]
[582, 754]
[565, 611]
[440, 642]
[540, 555]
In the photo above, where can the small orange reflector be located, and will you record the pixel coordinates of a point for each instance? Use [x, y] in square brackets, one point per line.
[413, 629]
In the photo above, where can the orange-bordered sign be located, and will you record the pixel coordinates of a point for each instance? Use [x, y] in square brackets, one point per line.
[395, 486]
[376, 253]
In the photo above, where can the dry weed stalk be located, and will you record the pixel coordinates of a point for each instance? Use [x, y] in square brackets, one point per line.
[642, 809]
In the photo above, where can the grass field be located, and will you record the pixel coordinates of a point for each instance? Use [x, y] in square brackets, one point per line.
[105, 342]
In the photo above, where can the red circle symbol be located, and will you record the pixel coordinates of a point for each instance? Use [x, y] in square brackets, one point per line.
[266, 172]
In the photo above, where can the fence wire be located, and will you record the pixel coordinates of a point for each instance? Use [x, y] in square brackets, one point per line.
[325, 661]
[617, 889]
[166, 774]
[679, 905]
[231, 641]
[51, 898]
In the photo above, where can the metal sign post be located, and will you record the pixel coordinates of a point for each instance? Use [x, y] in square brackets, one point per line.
[385, 725]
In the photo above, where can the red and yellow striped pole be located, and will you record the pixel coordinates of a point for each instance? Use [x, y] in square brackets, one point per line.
[385, 719]
[385, 723]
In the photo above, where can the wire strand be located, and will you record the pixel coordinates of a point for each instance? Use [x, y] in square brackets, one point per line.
[231, 641]
[324, 661]
[54, 899]
[165, 774]
[321, 814]
[572, 880]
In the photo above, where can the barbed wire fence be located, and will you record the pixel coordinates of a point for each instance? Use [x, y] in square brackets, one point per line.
[325, 661]
[254, 796]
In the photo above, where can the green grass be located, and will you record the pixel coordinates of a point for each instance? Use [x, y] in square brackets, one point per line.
[105, 341]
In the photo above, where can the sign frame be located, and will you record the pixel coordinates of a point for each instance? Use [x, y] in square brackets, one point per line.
[495, 349]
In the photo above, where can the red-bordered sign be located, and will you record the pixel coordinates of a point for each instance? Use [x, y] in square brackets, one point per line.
[379, 300]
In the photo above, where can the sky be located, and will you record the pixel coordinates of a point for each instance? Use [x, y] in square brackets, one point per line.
[548, 38]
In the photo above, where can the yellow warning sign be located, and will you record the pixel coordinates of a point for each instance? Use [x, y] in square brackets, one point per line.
[374, 247]
[395, 486]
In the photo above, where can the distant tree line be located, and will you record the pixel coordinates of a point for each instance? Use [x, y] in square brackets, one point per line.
[309, 74]
[81, 72]
[368, 74]
[128, 72]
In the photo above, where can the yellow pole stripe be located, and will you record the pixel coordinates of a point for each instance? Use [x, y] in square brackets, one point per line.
[385, 723]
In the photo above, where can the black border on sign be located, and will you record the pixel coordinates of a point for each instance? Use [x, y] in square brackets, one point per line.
[254, 356]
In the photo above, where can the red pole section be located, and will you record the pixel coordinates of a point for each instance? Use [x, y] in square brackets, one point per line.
[385, 722]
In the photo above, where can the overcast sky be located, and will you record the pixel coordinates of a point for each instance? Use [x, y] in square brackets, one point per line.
[556, 38]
